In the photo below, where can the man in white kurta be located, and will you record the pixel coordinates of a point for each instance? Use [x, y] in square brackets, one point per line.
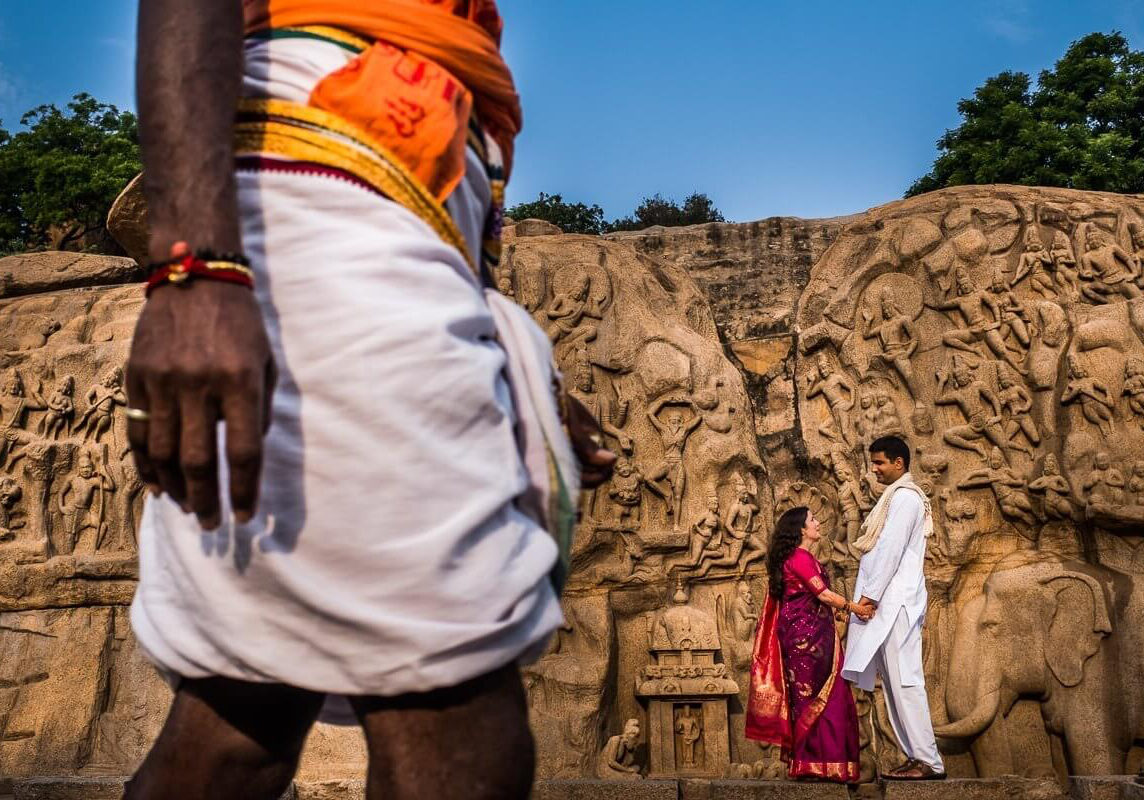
[890, 575]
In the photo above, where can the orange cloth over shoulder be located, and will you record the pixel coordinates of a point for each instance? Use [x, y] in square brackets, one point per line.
[414, 88]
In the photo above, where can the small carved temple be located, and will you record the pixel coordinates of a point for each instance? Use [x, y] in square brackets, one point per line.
[686, 693]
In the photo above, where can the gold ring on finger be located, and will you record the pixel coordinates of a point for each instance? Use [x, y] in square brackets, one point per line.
[137, 414]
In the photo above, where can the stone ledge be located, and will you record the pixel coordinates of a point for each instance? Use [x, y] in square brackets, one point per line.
[1104, 787]
[352, 789]
[605, 790]
[68, 789]
[760, 790]
[1007, 788]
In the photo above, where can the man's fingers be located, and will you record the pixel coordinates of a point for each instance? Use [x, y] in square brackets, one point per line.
[163, 440]
[198, 455]
[243, 412]
[137, 432]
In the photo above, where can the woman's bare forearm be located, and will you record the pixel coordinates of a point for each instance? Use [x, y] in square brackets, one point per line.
[834, 600]
[188, 76]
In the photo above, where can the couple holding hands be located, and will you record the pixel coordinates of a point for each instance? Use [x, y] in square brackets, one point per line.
[800, 698]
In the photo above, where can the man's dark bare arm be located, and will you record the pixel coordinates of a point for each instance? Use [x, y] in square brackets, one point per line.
[200, 352]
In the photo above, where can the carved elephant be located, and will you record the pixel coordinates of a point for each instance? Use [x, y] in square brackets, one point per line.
[1066, 634]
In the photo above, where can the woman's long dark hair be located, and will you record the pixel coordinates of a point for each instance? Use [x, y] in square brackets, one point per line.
[784, 541]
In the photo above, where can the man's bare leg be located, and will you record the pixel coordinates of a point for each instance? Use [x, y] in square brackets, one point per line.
[227, 739]
[467, 742]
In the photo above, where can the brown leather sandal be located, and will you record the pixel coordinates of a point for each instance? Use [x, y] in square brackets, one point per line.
[914, 770]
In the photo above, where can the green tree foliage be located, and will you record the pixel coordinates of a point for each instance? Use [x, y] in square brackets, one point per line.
[1081, 126]
[60, 174]
[656, 210]
[570, 217]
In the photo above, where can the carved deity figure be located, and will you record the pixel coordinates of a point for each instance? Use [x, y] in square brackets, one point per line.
[566, 312]
[1105, 484]
[101, 402]
[1014, 317]
[1056, 490]
[1007, 487]
[609, 415]
[10, 494]
[626, 493]
[983, 317]
[61, 408]
[1106, 269]
[618, 758]
[1134, 387]
[1037, 264]
[1096, 401]
[16, 401]
[673, 431]
[980, 407]
[76, 500]
[897, 338]
[1016, 402]
[1064, 266]
[689, 728]
[838, 392]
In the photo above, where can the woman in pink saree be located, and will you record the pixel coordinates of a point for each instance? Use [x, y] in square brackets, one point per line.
[798, 699]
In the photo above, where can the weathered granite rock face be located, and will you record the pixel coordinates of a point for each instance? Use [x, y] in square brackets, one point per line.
[739, 370]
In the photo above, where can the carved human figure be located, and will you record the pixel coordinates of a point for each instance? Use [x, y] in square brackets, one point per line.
[17, 401]
[737, 527]
[626, 493]
[897, 338]
[978, 404]
[887, 420]
[838, 392]
[1134, 387]
[1064, 265]
[618, 758]
[127, 496]
[1014, 317]
[982, 315]
[609, 415]
[1036, 263]
[10, 494]
[1096, 401]
[1056, 490]
[1136, 484]
[706, 534]
[1007, 487]
[566, 312]
[1016, 402]
[76, 500]
[61, 408]
[689, 728]
[1105, 483]
[851, 501]
[1106, 269]
[743, 613]
[101, 402]
[1136, 234]
[673, 431]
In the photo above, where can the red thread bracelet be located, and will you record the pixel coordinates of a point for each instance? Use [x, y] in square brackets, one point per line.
[181, 271]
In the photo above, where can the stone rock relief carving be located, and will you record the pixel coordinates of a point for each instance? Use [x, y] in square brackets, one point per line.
[617, 760]
[1025, 353]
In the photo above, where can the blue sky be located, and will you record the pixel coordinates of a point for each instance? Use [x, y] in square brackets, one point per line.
[804, 108]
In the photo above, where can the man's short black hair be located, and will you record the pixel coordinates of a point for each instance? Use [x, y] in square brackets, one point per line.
[893, 446]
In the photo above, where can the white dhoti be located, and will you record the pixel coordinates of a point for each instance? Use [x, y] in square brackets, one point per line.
[388, 554]
[906, 701]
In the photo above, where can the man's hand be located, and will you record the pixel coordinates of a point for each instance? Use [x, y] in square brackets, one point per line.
[595, 460]
[200, 354]
[865, 609]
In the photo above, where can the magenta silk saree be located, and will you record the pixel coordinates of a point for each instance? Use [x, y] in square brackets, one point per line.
[798, 699]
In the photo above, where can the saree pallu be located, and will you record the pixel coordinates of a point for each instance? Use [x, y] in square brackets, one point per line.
[817, 725]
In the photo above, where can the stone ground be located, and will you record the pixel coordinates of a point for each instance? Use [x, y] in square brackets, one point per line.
[1008, 788]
